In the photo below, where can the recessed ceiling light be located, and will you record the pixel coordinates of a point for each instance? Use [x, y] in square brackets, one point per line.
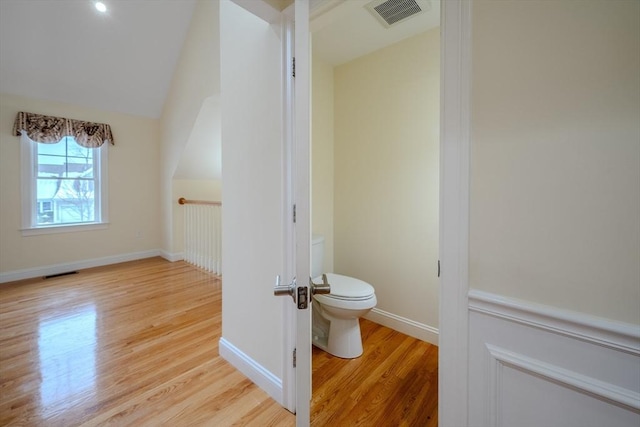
[101, 6]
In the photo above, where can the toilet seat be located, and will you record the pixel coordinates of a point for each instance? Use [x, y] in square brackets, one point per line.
[347, 288]
[347, 293]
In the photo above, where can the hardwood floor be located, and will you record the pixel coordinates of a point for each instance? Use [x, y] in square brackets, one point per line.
[394, 382]
[137, 344]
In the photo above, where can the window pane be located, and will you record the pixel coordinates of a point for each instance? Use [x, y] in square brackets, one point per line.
[79, 161]
[57, 149]
[49, 166]
[69, 200]
[66, 159]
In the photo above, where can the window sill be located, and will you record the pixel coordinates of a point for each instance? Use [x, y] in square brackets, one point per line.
[55, 229]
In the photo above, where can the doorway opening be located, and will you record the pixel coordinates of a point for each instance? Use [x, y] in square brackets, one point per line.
[375, 182]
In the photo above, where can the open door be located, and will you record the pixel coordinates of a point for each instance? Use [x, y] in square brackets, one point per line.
[302, 188]
[297, 143]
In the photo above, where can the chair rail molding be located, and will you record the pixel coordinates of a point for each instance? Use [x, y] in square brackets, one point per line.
[615, 335]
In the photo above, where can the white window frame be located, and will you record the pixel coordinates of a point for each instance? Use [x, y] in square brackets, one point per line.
[28, 157]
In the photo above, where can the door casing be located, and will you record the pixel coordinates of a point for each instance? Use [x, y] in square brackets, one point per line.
[454, 213]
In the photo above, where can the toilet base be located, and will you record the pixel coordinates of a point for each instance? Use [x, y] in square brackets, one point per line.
[343, 340]
[320, 342]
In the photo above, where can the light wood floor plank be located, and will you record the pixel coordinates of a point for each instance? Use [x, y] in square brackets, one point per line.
[137, 344]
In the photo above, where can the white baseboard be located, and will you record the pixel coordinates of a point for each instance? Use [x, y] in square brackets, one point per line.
[172, 257]
[263, 378]
[47, 270]
[402, 324]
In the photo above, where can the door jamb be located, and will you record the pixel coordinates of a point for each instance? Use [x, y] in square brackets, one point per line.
[455, 143]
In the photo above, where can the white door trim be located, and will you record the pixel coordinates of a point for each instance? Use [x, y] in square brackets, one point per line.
[289, 311]
[455, 117]
[302, 190]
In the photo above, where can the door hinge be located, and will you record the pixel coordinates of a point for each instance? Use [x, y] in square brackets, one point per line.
[294, 357]
[294, 213]
[293, 66]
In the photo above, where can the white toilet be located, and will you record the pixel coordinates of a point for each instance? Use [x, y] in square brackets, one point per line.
[336, 325]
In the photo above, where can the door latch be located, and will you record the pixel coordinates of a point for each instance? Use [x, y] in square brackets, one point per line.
[303, 297]
[300, 294]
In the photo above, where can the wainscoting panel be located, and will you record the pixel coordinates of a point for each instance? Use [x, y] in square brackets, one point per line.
[533, 365]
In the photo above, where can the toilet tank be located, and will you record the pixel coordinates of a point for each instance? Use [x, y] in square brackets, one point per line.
[317, 255]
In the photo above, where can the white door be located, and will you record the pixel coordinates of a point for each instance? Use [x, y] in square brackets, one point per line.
[297, 324]
[302, 186]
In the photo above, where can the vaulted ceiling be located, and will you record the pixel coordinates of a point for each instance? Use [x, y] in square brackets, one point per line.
[345, 30]
[123, 60]
[67, 51]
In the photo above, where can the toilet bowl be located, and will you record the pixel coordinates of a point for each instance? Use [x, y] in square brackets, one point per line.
[335, 316]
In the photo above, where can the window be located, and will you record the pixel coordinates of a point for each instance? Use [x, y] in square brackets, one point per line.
[64, 185]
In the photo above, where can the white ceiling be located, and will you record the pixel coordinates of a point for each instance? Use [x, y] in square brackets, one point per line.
[344, 29]
[66, 51]
[123, 61]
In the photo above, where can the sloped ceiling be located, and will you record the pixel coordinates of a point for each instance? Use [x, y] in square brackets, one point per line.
[343, 30]
[66, 51]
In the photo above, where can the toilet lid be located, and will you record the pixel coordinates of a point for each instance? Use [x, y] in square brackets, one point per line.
[345, 287]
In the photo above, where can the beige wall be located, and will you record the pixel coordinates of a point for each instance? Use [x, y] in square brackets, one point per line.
[386, 174]
[322, 156]
[252, 234]
[133, 191]
[555, 172]
[196, 78]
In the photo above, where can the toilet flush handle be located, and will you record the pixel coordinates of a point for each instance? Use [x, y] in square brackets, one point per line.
[320, 288]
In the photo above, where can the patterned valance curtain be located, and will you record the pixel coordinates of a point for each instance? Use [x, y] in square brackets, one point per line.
[50, 130]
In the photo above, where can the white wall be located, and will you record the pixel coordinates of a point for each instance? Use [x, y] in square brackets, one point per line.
[133, 193]
[252, 235]
[555, 173]
[386, 177]
[554, 322]
[197, 77]
[322, 155]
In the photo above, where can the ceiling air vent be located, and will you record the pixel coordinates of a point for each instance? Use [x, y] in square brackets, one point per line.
[392, 12]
